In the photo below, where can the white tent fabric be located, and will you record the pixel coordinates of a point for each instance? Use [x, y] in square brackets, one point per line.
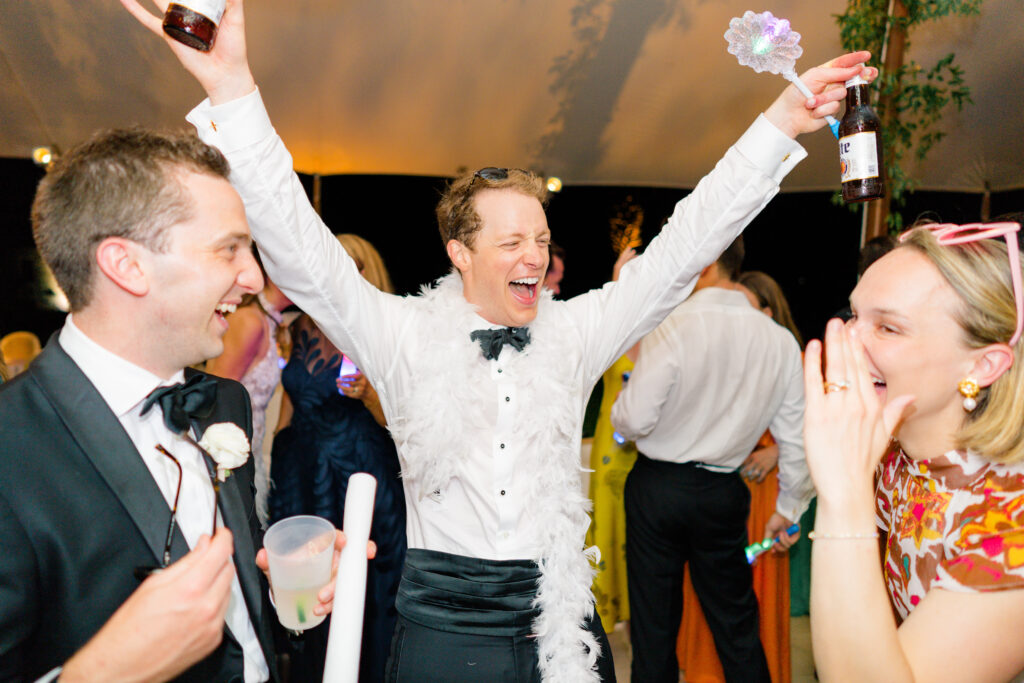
[636, 92]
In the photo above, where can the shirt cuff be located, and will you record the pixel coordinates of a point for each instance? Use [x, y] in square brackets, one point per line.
[791, 508]
[233, 125]
[51, 676]
[770, 149]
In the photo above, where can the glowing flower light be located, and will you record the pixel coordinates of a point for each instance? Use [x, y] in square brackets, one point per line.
[764, 42]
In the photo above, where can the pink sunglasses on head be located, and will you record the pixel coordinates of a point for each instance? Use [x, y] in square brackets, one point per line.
[951, 233]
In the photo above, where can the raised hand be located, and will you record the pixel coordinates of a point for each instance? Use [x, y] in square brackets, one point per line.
[223, 72]
[793, 114]
[846, 426]
[625, 257]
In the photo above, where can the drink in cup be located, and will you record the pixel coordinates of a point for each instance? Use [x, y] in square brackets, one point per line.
[300, 550]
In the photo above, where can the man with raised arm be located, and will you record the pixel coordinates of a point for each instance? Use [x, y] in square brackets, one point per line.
[483, 378]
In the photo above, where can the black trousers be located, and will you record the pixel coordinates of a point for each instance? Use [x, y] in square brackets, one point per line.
[468, 620]
[679, 513]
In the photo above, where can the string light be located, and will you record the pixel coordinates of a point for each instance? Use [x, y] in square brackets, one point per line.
[43, 156]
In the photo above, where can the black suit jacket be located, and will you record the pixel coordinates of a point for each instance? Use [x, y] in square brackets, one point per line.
[79, 511]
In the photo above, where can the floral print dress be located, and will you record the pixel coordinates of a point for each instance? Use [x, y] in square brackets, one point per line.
[954, 522]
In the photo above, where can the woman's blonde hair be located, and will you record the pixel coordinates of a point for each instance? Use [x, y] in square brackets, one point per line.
[979, 272]
[368, 261]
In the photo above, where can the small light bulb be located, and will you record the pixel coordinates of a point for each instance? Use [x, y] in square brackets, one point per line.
[554, 184]
[42, 156]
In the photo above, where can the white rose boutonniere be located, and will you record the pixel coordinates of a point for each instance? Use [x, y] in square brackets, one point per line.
[227, 445]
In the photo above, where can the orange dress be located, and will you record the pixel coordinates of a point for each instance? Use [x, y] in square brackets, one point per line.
[695, 647]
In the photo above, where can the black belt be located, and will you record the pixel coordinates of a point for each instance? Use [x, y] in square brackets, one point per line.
[462, 594]
[696, 464]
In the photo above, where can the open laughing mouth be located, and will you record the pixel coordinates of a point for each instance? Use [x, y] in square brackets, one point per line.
[524, 290]
[223, 309]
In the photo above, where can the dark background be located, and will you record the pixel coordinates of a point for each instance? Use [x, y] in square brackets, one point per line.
[805, 242]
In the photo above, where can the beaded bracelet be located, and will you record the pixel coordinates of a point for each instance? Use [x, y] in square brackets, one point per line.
[814, 536]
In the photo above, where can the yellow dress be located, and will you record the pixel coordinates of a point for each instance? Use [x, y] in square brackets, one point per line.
[611, 463]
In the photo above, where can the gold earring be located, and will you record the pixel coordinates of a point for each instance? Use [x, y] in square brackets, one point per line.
[969, 389]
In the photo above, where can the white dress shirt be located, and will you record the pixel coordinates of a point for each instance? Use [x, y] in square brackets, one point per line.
[124, 387]
[709, 381]
[485, 510]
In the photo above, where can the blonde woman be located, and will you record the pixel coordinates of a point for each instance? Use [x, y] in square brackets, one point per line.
[331, 427]
[929, 359]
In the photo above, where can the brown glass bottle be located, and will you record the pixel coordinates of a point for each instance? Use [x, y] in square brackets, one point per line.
[860, 146]
[194, 23]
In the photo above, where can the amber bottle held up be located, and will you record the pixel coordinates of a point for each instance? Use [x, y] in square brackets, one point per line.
[194, 22]
[860, 146]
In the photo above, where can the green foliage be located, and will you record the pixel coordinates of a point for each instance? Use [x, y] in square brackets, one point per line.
[914, 96]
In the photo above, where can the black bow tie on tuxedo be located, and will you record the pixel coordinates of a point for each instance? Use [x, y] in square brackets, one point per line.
[491, 341]
[182, 403]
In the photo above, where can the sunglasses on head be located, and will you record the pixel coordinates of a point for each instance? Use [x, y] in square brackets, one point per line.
[493, 173]
[950, 233]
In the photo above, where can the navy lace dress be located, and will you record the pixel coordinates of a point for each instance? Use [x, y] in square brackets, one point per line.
[331, 437]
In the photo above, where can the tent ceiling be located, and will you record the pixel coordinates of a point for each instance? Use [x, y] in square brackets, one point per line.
[596, 91]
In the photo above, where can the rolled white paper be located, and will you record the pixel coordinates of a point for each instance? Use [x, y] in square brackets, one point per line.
[346, 634]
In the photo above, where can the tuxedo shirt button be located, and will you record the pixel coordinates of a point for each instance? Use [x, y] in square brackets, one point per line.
[508, 398]
[501, 445]
[503, 492]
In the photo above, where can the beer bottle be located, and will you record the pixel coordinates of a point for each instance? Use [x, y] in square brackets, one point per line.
[194, 22]
[860, 146]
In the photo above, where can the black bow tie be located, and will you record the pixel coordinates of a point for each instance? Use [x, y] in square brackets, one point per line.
[182, 403]
[491, 341]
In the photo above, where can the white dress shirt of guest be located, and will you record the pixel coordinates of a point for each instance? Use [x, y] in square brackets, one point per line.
[707, 384]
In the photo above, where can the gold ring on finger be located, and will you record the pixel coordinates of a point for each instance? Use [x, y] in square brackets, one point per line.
[841, 385]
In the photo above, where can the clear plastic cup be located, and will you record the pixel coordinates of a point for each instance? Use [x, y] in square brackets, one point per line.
[300, 550]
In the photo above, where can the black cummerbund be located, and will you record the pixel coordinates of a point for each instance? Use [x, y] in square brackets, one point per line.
[462, 594]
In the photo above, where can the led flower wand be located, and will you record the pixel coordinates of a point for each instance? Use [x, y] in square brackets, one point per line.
[766, 43]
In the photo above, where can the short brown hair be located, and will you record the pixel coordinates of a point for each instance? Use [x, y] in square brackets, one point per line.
[120, 183]
[731, 260]
[457, 219]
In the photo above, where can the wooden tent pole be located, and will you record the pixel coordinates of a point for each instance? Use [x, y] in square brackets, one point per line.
[878, 210]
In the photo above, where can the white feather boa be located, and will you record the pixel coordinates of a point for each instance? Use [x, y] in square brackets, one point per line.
[448, 401]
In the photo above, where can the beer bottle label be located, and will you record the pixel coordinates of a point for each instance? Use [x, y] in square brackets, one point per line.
[211, 9]
[858, 157]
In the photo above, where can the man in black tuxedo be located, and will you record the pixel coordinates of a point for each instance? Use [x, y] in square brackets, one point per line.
[150, 243]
